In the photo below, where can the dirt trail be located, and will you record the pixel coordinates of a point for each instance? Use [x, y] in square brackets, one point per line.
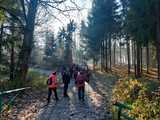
[95, 106]
[30, 105]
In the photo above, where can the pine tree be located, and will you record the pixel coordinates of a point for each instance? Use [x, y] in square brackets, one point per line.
[50, 44]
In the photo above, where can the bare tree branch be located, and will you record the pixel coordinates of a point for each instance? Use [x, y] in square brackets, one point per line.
[48, 12]
[42, 17]
[54, 7]
[53, 1]
[78, 8]
[59, 10]
[24, 10]
[14, 14]
[13, 27]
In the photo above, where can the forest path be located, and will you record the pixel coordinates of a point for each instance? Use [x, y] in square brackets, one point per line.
[95, 107]
[31, 104]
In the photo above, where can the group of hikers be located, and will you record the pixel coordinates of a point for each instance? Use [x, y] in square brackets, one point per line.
[80, 74]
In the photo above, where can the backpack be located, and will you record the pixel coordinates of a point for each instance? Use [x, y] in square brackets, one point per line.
[49, 81]
[81, 80]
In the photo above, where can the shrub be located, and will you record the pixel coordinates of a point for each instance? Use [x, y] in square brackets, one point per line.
[126, 90]
[35, 79]
[146, 107]
[145, 100]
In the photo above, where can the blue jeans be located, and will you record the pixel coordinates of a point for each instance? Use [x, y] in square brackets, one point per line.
[81, 93]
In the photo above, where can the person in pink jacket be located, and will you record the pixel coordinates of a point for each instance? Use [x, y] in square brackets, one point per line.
[80, 83]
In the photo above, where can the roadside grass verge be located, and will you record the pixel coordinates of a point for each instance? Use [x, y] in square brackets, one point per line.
[36, 79]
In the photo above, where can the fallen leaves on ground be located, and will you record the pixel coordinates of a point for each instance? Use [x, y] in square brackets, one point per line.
[26, 105]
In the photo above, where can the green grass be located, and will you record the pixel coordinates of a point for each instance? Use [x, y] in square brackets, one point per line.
[36, 80]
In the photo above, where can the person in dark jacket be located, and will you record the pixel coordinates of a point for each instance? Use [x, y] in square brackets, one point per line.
[75, 74]
[66, 81]
[62, 69]
[71, 71]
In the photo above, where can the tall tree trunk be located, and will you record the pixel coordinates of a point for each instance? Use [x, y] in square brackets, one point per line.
[158, 36]
[128, 55]
[120, 52]
[106, 55]
[12, 43]
[138, 75]
[70, 50]
[1, 39]
[102, 62]
[12, 62]
[147, 56]
[114, 57]
[103, 55]
[134, 59]
[27, 45]
[110, 52]
[158, 57]
[132, 47]
[141, 56]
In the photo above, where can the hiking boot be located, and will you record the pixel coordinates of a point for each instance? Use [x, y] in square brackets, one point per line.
[48, 101]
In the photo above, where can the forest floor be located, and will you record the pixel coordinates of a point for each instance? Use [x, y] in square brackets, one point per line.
[31, 105]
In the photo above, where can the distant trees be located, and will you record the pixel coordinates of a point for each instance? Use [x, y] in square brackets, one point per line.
[49, 56]
[130, 24]
[101, 29]
[65, 38]
[50, 44]
[10, 42]
[61, 45]
[142, 28]
[24, 14]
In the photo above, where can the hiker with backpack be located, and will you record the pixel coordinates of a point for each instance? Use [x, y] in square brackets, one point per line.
[80, 83]
[52, 86]
[66, 80]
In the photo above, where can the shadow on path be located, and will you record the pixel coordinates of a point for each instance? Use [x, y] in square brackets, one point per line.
[93, 108]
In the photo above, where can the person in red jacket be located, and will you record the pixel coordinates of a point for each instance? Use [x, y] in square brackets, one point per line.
[80, 83]
[52, 86]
